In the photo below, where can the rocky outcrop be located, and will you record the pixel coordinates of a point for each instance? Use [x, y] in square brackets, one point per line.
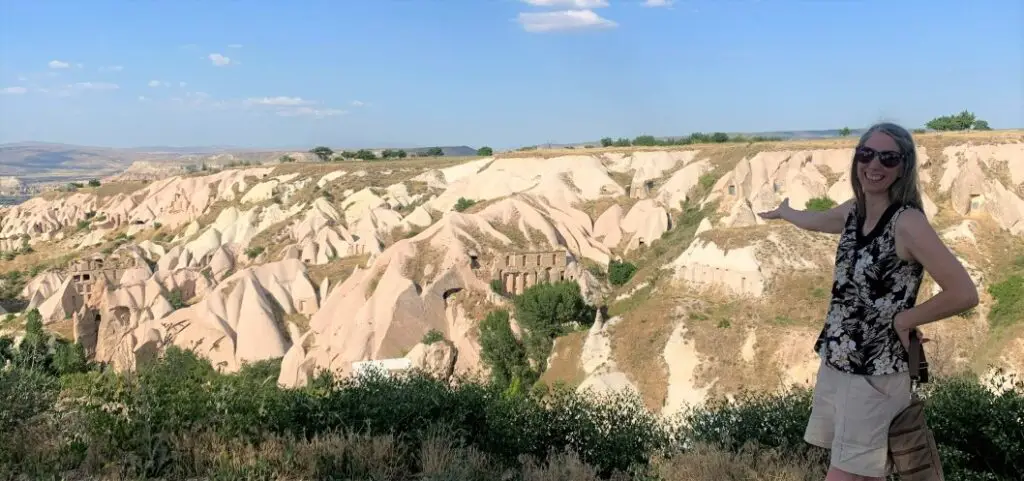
[193, 283]
[436, 359]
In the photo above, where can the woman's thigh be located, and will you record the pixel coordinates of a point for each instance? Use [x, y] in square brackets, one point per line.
[865, 407]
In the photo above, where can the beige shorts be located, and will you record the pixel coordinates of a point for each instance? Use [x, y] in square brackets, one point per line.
[851, 416]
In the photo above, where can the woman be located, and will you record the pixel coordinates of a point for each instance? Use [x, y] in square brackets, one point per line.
[886, 244]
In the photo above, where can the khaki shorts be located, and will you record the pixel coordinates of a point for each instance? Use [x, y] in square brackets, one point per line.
[851, 416]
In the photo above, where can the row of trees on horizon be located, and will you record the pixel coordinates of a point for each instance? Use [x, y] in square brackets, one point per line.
[326, 154]
[964, 120]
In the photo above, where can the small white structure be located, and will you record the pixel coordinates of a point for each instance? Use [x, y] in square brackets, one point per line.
[388, 366]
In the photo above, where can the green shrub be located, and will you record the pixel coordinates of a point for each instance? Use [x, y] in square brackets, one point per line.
[707, 181]
[175, 299]
[24, 394]
[820, 204]
[546, 311]
[501, 352]
[179, 418]
[1009, 301]
[69, 358]
[432, 336]
[463, 204]
[497, 287]
[620, 273]
[254, 252]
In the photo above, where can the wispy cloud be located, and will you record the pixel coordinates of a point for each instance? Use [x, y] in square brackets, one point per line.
[182, 84]
[79, 87]
[564, 20]
[157, 83]
[235, 45]
[311, 112]
[94, 86]
[112, 68]
[658, 3]
[584, 4]
[277, 101]
[219, 60]
[59, 64]
[142, 98]
[198, 100]
[13, 90]
[358, 103]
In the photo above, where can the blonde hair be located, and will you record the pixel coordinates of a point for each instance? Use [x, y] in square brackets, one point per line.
[905, 190]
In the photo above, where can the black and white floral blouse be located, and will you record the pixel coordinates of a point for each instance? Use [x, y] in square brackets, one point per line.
[871, 285]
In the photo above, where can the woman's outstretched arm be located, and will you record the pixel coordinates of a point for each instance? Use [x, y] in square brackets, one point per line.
[831, 221]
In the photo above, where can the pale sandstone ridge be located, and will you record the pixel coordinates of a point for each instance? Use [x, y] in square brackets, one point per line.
[201, 287]
[602, 374]
[388, 307]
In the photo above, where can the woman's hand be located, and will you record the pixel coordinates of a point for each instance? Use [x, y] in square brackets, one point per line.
[778, 212]
[903, 329]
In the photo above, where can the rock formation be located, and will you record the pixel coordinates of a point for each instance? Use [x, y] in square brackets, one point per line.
[329, 267]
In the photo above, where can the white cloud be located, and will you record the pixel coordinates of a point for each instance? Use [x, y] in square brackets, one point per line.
[658, 3]
[235, 45]
[156, 83]
[94, 86]
[142, 98]
[182, 84]
[358, 103]
[311, 112]
[219, 60]
[568, 3]
[564, 20]
[277, 101]
[112, 68]
[13, 90]
[58, 64]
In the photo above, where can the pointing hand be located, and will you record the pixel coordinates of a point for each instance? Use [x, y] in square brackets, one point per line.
[777, 212]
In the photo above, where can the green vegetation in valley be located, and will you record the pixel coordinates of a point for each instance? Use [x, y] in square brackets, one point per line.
[432, 336]
[180, 418]
[463, 204]
[620, 272]
[544, 312]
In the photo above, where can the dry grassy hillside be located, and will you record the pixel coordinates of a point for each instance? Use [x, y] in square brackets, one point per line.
[326, 265]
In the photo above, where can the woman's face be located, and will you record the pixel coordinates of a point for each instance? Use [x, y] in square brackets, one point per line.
[879, 162]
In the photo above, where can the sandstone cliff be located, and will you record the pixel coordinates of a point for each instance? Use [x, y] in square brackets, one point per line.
[328, 266]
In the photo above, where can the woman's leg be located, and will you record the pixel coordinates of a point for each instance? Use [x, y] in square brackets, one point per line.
[836, 474]
[865, 407]
[820, 429]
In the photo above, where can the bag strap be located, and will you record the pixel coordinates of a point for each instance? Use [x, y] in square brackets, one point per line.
[917, 360]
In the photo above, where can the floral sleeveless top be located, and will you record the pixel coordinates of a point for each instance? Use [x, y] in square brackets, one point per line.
[870, 286]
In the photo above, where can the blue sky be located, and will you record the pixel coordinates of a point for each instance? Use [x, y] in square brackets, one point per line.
[505, 73]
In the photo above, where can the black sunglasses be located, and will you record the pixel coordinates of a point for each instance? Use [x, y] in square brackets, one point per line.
[888, 158]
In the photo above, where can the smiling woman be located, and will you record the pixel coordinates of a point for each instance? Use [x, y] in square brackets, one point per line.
[886, 245]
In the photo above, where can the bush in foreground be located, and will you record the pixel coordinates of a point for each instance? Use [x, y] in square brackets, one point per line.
[179, 419]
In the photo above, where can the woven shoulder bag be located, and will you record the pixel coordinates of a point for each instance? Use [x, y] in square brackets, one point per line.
[913, 454]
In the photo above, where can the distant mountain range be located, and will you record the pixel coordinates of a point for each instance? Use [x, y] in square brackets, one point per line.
[46, 162]
[41, 162]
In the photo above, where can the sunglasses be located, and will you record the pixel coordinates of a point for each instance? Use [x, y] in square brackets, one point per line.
[888, 158]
